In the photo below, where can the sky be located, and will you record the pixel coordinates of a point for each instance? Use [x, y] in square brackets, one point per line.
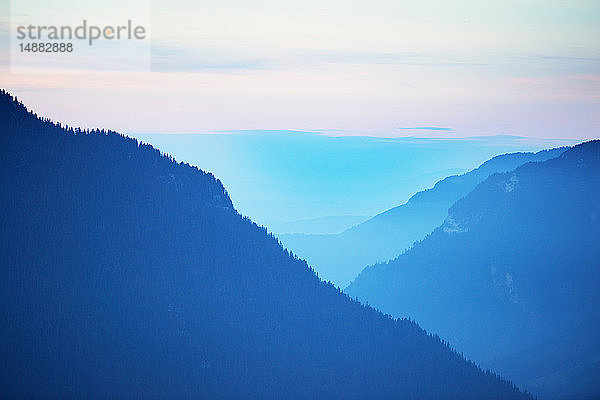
[273, 81]
[520, 67]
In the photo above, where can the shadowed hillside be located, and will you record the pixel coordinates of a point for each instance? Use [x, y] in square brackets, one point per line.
[511, 277]
[128, 275]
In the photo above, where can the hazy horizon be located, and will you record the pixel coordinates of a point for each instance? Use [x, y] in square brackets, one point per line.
[278, 178]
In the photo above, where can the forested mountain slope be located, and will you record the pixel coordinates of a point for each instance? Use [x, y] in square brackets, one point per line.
[128, 275]
[514, 268]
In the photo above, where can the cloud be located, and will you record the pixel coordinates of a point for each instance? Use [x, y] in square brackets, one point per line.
[174, 57]
[427, 128]
[268, 131]
[587, 78]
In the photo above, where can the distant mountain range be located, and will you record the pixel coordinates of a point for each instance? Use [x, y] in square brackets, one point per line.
[511, 276]
[323, 225]
[128, 275]
[341, 257]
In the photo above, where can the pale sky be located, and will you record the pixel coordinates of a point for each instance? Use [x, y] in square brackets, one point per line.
[527, 68]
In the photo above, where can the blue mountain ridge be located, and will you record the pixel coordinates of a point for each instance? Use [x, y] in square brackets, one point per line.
[128, 275]
[341, 257]
[511, 276]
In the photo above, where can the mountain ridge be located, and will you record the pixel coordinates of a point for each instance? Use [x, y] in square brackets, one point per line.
[341, 257]
[515, 261]
[131, 275]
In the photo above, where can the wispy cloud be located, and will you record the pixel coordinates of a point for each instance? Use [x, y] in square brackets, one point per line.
[426, 128]
[172, 57]
[587, 78]
[168, 56]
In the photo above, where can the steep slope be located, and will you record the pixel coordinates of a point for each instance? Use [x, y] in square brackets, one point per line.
[341, 257]
[515, 266]
[127, 275]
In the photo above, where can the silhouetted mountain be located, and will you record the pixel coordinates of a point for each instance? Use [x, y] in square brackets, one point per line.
[513, 269]
[340, 257]
[128, 275]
